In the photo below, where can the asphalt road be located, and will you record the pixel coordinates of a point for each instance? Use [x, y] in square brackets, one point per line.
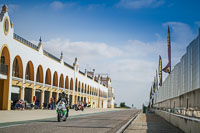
[108, 122]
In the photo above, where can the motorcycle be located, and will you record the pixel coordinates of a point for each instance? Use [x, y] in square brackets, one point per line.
[79, 107]
[61, 111]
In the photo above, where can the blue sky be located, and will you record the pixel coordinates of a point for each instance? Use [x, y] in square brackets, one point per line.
[126, 35]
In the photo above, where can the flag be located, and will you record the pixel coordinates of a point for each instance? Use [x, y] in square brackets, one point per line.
[154, 85]
[167, 69]
[151, 93]
[156, 80]
[160, 71]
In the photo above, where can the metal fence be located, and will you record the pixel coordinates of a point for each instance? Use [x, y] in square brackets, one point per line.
[24, 41]
[185, 76]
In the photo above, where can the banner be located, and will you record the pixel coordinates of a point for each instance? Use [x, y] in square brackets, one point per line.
[160, 71]
[167, 69]
[151, 93]
[156, 80]
[154, 85]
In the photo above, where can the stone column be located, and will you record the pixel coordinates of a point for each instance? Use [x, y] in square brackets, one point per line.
[42, 98]
[50, 95]
[32, 94]
[21, 92]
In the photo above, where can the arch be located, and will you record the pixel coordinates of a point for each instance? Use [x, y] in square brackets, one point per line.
[17, 67]
[85, 88]
[4, 84]
[39, 74]
[93, 90]
[61, 82]
[88, 89]
[29, 71]
[48, 77]
[71, 84]
[76, 83]
[66, 83]
[79, 86]
[55, 79]
[82, 88]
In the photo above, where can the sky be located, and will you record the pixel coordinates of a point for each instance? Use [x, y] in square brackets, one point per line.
[121, 38]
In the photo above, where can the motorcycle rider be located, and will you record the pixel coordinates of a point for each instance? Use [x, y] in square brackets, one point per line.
[64, 99]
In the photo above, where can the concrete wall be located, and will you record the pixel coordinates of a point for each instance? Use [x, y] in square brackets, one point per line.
[183, 79]
[187, 124]
[187, 100]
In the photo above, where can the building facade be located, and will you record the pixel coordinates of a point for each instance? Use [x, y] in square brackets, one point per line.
[27, 70]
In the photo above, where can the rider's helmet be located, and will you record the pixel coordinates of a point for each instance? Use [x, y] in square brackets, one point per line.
[63, 94]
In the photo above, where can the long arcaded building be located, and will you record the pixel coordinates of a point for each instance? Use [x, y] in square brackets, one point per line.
[27, 70]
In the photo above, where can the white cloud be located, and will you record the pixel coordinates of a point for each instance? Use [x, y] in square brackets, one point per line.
[137, 4]
[57, 5]
[128, 64]
[181, 36]
[182, 32]
[85, 51]
[132, 70]
[131, 66]
[95, 6]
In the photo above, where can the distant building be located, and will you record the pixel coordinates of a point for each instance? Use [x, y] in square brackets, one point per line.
[27, 70]
[106, 81]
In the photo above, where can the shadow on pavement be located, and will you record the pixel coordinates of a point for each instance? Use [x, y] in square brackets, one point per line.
[156, 124]
[48, 121]
[84, 127]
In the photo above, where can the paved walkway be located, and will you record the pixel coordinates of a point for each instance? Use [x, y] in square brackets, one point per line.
[18, 115]
[151, 123]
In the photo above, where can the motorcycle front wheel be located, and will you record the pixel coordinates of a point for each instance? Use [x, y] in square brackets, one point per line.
[59, 116]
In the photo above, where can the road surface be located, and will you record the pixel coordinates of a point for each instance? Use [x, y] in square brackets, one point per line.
[107, 122]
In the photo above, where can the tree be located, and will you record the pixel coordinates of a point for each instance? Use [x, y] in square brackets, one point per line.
[115, 105]
[122, 105]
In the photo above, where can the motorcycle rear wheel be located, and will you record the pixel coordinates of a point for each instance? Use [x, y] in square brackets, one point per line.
[58, 117]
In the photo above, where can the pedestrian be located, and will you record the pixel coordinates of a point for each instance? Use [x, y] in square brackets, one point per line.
[52, 103]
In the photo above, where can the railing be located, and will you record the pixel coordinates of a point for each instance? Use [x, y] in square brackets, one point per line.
[29, 81]
[60, 88]
[24, 41]
[3, 69]
[17, 78]
[89, 76]
[81, 72]
[38, 83]
[51, 56]
[190, 112]
[68, 65]
[55, 87]
[47, 85]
